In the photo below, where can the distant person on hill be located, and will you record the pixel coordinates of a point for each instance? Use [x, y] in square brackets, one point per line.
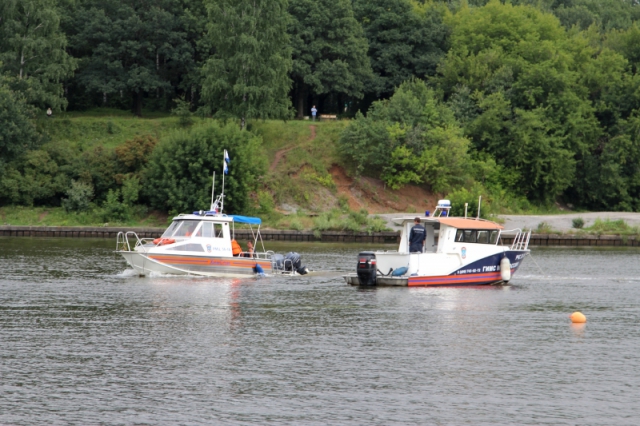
[417, 236]
[49, 112]
[314, 111]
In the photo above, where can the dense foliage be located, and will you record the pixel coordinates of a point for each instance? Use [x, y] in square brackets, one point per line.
[534, 100]
[178, 176]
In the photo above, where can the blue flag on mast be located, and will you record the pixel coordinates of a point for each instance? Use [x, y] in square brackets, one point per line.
[226, 156]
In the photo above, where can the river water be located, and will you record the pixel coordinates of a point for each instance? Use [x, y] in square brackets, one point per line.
[82, 341]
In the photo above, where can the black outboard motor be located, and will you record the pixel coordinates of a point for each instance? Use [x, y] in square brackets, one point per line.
[293, 262]
[367, 268]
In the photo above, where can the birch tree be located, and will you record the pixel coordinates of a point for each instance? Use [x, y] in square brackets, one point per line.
[247, 76]
[32, 51]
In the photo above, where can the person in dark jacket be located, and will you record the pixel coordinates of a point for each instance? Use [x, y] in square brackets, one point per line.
[417, 236]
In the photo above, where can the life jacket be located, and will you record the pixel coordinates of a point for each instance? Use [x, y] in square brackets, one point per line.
[235, 248]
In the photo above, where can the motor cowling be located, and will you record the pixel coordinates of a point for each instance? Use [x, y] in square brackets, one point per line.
[367, 268]
[293, 262]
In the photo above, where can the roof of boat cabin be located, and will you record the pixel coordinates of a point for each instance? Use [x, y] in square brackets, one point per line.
[455, 222]
[220, 218]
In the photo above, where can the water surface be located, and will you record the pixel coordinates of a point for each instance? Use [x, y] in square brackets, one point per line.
[83, 341]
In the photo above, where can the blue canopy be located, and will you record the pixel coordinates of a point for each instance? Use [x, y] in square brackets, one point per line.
[246, 219]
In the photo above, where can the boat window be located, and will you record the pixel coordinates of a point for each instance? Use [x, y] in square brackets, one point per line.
[171, 229]
[189, 247]
[469, 236]
[186, 228]
[210, 230]
[207, 229]
[483, 237]
[494, 237]
[460, 236]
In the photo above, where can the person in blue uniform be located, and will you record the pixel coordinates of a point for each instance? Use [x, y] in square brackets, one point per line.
[417, 236]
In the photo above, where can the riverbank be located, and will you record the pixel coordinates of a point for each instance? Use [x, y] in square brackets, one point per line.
[390, 237]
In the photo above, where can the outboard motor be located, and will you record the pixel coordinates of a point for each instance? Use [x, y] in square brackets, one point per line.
[293, 262]
[367, 268]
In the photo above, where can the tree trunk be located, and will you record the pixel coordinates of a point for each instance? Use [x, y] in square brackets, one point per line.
[137, 103]
[300, 102]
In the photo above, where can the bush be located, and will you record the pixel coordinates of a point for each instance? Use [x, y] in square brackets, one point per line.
[79, 197]
[577, 223]
[183, 112]
[178, 175]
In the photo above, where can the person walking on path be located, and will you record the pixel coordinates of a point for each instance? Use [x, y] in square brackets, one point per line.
[314, 111]
[416, 237]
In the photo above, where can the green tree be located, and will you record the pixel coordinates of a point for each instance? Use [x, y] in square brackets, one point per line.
[410, 138]
[131, 47]
[17, 131]
[247, 76]
[513, 77]
[32, 51]
[178, 176]
[329, 51]
[404, 40]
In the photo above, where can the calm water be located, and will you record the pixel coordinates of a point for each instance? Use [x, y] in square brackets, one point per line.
[84, 342]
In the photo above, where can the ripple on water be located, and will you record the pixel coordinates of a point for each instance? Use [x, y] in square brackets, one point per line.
[86, 341]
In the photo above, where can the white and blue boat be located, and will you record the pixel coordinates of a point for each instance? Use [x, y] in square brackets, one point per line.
[457, 251]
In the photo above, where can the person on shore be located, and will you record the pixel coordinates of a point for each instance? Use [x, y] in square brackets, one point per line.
[49, 112]
[417, 237]
[314, 111]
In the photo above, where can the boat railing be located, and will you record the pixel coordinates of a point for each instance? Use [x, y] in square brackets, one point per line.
[123, 244]
[520, 239]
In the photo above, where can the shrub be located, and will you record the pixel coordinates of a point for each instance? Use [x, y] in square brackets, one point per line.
[183, 112]
[79, 197]
[178, 175]
[577, 223]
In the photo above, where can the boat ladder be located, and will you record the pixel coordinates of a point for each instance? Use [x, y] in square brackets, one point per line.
[521, 240]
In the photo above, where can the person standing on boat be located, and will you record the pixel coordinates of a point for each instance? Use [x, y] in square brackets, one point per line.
[416, 237]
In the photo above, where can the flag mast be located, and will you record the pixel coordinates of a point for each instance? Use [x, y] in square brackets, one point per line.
[213, 188]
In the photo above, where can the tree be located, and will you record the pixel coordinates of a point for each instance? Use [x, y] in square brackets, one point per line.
[513, 75]
[404, 41]
[329, 50]
[178, 174]
[133, 47]
[17, 131]
[410, 138]
[32, 51]
[247, 76]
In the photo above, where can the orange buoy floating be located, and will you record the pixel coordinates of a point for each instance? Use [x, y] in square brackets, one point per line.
[578, 318]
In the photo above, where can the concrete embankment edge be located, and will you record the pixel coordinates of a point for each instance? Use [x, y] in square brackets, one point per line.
[307, 236]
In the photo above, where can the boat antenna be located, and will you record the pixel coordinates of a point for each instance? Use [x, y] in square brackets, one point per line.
[225, 170]
[213, 188]
[479, 201]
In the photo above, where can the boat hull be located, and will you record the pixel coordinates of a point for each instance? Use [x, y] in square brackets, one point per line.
[485, 271]
[234, 267]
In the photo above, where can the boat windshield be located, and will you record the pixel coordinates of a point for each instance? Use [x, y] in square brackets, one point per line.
[181, 228]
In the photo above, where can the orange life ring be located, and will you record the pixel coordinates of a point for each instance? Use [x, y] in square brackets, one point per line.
[163, 241]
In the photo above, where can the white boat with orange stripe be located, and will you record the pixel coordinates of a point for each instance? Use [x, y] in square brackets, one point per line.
[196, 244]
[457, 251]
[203, 243]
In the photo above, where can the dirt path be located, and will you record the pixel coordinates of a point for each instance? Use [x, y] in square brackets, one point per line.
[283, 151]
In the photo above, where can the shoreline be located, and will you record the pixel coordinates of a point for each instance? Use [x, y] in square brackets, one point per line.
[389, 237]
